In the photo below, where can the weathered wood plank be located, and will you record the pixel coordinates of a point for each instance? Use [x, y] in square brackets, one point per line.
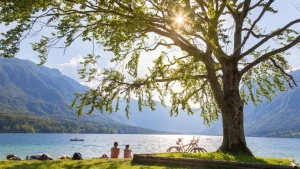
[144, 158]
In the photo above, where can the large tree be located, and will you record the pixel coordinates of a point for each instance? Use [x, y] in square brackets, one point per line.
[222, 59]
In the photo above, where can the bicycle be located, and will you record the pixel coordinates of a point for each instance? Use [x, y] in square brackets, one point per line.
[192, 147]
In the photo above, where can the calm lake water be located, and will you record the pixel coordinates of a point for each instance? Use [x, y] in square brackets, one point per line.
[94, 145]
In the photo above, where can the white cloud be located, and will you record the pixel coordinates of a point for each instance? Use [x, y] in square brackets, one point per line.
[297, 68]
[93, 84]
[74, 62]
[71, 68]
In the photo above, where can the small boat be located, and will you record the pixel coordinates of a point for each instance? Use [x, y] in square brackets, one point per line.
[76, 139]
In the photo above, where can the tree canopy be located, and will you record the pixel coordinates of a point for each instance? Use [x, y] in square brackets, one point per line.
[221, 51]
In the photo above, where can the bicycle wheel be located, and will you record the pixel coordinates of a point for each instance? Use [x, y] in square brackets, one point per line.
[202, 150]
[197, 150]
[174, 149]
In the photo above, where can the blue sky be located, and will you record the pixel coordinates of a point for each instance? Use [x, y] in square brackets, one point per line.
[68, 62]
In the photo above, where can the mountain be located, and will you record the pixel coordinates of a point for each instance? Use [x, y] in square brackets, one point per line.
[38, 90]
[279, 118]
[38, 93]
[28, 88]
[31, 92]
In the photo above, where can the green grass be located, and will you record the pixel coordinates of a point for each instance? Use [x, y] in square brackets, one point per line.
[127, 163]
[228, 157]
[82, 164]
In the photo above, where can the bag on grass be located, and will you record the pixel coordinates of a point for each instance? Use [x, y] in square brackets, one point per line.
[10, 156]
[77, 156]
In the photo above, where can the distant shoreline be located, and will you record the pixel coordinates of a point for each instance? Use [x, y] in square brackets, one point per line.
[184, 134]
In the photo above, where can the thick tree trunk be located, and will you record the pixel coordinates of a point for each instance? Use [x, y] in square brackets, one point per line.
[233, 127]
[232, 117]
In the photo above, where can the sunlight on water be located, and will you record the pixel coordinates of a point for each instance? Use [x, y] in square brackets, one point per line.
[94, 145]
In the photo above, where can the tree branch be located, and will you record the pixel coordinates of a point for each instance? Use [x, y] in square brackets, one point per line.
[220, 11]
[267, 55]
[239, 20]
[203, 5]
[197, 90]
[128, 8]
[276, 33]
[237, 50]
[281, 69]
[146, 82]
[254, 34]
[256, 5]
[245, 11]
[232, 12]
[187, 4]
[157, 45]
[192, 50]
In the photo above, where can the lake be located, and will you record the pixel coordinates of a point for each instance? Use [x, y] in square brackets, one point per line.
[94, 145]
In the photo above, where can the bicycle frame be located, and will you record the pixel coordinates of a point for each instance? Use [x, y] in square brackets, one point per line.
[188, 147]
[192, 147]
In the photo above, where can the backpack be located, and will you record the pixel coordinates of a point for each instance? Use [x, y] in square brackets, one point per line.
[10, 156]
[77, 156]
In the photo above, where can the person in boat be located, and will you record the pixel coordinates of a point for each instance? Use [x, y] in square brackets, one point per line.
[115, 151]
[127, 152]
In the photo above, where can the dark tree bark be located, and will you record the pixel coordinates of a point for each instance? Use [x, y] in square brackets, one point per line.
[232, 114]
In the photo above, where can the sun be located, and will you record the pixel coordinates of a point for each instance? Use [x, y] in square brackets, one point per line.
[179, 19]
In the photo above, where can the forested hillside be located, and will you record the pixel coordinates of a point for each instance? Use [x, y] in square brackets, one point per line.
[20, 123]
[279, 118]
[37, 99]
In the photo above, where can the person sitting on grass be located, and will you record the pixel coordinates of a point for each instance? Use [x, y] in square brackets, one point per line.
[127, 152]
[104, 156]
[44, 157]
[64, 157]
[115, 151]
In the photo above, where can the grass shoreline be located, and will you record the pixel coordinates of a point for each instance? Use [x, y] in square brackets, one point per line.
[127, 163]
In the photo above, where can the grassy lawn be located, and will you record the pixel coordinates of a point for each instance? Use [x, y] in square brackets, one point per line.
[126, 163]
[228, 157]
[82, 164]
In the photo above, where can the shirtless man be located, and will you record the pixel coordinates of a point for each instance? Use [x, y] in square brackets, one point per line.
[127, 152]
[115, 151]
